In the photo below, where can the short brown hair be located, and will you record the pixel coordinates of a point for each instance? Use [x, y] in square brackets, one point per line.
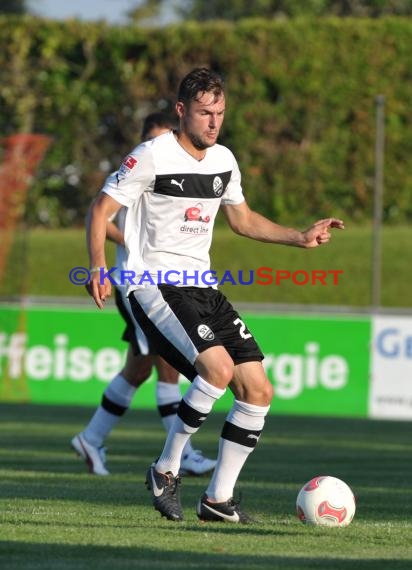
[200, 80]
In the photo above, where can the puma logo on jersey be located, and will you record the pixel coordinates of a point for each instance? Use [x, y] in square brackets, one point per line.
[176, 183]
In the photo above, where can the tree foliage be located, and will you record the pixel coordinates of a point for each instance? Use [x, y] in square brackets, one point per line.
[13, 7]
[300, 117]
[149, 10]
[234, 10]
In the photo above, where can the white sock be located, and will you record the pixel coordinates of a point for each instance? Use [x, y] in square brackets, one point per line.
[195, 406]
[116, 400]
[243, 426]
[167, 395]
[100, 426]
[120, 392]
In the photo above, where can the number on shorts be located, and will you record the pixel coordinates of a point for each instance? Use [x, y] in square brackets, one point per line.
[242, 329]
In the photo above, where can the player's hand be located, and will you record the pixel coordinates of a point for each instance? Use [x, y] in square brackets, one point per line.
[319, 233]
[99, 292]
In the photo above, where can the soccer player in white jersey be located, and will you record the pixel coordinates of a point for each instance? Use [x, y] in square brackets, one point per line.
[140, 359]
[173, 187]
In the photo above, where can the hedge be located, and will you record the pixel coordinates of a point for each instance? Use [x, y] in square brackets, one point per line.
[300, 117]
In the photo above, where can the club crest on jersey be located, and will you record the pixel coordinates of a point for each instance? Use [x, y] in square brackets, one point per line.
[217, 186]
[126, 167]
[204, 332]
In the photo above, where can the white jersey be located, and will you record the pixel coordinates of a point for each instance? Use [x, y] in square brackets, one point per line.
[172, 202]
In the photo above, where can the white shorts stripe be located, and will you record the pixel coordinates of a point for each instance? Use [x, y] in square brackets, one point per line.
[165, 320]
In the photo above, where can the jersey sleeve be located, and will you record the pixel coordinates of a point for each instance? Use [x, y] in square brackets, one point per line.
[135, 175]
[234, 192]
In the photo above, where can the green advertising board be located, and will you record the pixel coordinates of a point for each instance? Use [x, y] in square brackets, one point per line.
[60, 355]
[319, 365]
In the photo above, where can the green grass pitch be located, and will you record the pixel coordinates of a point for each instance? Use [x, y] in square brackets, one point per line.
[54, 515]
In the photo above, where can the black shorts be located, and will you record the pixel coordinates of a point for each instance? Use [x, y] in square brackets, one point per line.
[132, 334]
[182, 322]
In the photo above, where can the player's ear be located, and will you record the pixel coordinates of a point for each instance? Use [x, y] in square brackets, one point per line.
[180, 109]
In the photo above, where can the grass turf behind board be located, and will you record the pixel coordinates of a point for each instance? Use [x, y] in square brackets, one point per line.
[47, 256]
[53, 515]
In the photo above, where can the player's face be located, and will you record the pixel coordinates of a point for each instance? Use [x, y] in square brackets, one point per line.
[202, 119]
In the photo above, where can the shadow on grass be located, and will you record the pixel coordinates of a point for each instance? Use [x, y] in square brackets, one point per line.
[46, 556]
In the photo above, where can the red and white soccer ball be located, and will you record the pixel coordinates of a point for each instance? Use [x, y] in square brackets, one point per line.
[326, 501]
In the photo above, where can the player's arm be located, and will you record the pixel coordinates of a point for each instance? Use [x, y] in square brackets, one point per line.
[101, 209]
[251, 224]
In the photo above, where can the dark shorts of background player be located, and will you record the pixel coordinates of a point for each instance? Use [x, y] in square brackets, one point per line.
[129, 333]
[194, 307]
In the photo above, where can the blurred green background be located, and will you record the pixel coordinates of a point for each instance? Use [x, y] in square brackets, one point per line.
[302, 84]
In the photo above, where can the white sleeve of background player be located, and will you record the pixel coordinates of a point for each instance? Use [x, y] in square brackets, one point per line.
[135, 175]
[234, 192]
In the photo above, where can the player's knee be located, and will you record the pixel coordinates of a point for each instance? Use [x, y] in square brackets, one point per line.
[136, 377]
[258, 393]
[268, 392]
[167, 374]
[220, 374]
[225, 371]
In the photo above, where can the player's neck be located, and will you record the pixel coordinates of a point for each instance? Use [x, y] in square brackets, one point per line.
[187, 145]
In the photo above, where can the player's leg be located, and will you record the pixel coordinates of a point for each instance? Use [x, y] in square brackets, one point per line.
[168, 398]
[168, 394]
[116, 400]
[170, 317]
[253, 393]
[162, 476]
[176, 319]
[241, 431]
[118, 395]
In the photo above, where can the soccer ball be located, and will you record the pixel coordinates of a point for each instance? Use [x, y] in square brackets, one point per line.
[326, 501]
